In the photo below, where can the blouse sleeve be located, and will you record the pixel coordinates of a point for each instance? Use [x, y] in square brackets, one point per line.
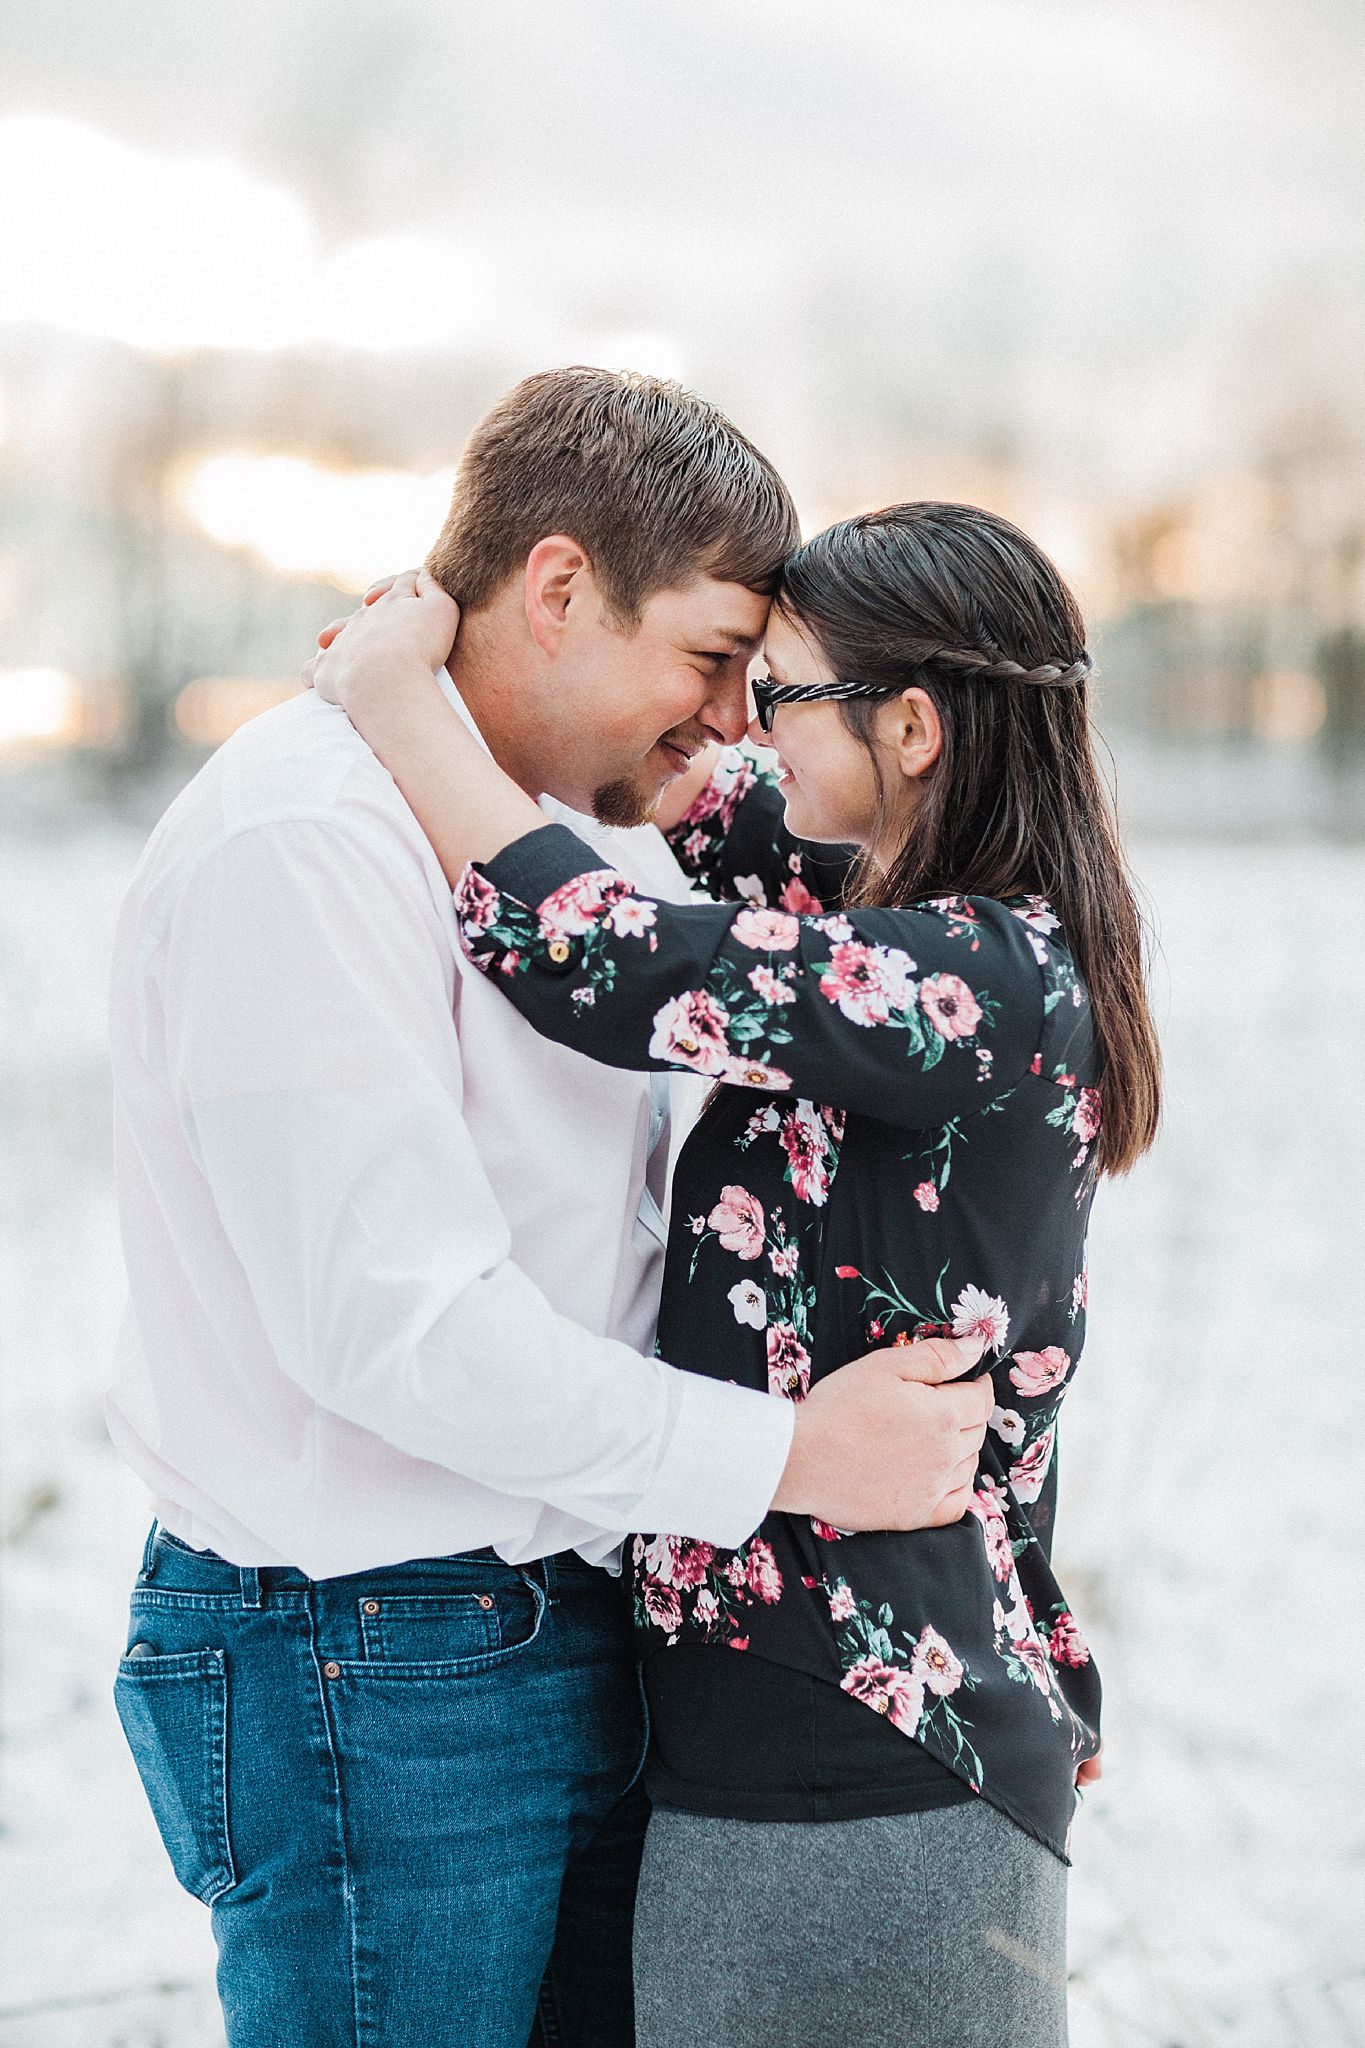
[913, 1016]
[734, 843]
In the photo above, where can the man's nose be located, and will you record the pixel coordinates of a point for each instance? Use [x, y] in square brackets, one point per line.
[725, 713]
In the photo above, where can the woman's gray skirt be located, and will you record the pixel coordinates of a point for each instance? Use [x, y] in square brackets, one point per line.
[944, 1929]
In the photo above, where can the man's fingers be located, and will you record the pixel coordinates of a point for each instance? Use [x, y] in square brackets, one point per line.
[935, 1359]
[952, 1507]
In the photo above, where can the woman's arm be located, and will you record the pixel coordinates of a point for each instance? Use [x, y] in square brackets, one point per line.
[913, 1016]
[381, 666]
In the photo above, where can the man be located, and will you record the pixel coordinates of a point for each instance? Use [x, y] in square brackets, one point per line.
[394, 1265]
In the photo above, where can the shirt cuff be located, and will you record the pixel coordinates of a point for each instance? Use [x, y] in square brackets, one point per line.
[725, 1455]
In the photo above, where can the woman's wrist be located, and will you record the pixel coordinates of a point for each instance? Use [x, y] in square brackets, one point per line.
[385, 701]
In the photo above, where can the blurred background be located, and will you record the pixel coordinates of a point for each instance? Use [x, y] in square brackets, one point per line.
[1100, 269]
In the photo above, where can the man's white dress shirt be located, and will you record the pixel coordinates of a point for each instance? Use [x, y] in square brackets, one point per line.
[394, 1260]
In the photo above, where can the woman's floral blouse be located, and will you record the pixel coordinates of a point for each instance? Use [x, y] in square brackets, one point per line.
[905, 1146]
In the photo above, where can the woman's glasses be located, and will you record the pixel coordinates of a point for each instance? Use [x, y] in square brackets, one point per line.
[768, 694]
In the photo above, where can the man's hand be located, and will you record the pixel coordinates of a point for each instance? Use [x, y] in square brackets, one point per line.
[888, 1442]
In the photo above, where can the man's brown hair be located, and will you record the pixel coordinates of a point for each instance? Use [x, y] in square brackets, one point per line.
[653, 483]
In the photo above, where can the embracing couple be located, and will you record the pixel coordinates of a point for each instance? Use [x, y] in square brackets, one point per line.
[581, 1609]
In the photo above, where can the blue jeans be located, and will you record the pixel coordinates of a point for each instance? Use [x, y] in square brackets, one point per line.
[410, 1797]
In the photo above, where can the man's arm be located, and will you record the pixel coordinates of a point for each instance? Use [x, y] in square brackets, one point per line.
[317, 1069]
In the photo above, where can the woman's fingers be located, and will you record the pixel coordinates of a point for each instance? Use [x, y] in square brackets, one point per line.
[377, 589]
[329, 633]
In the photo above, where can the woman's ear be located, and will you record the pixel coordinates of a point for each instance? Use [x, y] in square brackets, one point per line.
[557, 571]
[916, 733]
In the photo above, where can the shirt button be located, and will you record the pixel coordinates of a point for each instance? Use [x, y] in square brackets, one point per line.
[369, 1607]
[485, 1601]
[559, 951]
[331, 1671]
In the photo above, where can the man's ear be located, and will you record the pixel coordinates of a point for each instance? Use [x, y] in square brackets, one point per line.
[917, 733]
[558, 574]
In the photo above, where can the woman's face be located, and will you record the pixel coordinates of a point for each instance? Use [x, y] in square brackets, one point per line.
[828, 777]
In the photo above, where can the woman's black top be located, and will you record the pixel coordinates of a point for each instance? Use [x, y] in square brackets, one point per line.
[902, 1145]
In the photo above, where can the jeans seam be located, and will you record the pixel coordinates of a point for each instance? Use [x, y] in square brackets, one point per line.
[339, 1806]
[918, 1824]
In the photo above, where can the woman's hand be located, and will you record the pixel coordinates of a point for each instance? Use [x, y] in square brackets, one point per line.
[397, 640]
[380, 665]
[1090, 1770]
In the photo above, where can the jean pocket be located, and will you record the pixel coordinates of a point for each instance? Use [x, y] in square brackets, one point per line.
[174, 1714]
[434, 1634]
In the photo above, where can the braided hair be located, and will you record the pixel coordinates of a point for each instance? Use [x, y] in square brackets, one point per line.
[961, 604]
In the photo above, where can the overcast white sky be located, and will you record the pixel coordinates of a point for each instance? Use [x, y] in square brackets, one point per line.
[1069, 218]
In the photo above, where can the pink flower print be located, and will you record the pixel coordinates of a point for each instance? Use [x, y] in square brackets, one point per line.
[846, 1273]
[751, 890]
[837, 928]
[770, 986]
[766, 931]
[735, 1571]
[476, 901]
[788, 1363]
[694, 846]
[784, 1260]
[949, 1005]
[926, 1194]
[690, 1562]
[887, 1690]
[632, 916]
[1086, 1121]
[749, 1303]
[842, 1605]
[1080, 1292]
[738, 1218]
[826, 1531]
[663, 1606]
[1008, 1425]
[707, 1608]
[1038, 1372]
[689, 1031]
[742, 1073]
[764, 1578]
[765, 1119]
[1066, 1644]
[797, 898]
[978, 1314]
[1037, 912]
[868, 982]
[576, 905]
[1032, 1656]
[1028, 1473]
[934, 1663]
[988, 1506]
[802, 1137]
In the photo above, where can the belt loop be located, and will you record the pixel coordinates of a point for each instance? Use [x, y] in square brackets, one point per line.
[251, 1585]
[539, 1575]
[149, 1552]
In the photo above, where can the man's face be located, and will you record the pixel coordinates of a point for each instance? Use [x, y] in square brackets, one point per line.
[626, 708]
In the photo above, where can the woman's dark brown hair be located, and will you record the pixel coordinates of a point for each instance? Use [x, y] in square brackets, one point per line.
[963, 605]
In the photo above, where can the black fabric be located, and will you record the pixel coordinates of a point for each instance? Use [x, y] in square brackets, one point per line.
[901, 1145]
[750, 1740]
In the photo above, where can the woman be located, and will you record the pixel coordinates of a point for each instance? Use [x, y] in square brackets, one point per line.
[861, 1823]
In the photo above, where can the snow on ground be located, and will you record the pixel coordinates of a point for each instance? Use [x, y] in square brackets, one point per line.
[1209, 1514]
